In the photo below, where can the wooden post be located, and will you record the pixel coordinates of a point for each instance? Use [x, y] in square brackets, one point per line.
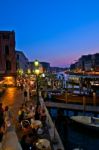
[66, 96]
[84, 104]
[94, 98]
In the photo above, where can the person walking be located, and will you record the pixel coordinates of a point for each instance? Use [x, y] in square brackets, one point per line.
[25, 96]
[7, 113]
[1, 115]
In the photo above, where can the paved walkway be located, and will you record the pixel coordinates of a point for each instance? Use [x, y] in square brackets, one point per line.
[13, 98]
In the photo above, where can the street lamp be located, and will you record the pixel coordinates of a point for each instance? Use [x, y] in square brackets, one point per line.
[20, 72]
[37, 72]
[28, 71]
[36, 63]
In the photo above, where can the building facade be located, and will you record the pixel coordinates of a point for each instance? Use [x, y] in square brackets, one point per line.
[45, 66]
[22, 61]
[87, 63]
[95, 62]
[7, 53]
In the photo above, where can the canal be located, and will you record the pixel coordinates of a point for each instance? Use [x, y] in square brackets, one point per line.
[74, 135]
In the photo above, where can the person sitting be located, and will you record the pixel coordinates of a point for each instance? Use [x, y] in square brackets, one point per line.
[25, 96]
[7, 113]
[31, 113]
[27, 142]
[43, 116]
[1, 137]
[25, 124]
[37, 112]
[1, 115]
[21, 115]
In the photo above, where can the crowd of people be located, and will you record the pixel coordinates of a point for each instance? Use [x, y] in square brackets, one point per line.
[6, 118]
[31, 120]
[29, 112]
[32, 123]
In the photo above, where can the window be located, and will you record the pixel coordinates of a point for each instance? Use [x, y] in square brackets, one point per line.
[8, 65]
[17, 56]
[17, 65]
[7, 50]
[5, 36]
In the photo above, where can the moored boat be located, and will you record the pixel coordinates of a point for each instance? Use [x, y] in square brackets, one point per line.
[86, 121]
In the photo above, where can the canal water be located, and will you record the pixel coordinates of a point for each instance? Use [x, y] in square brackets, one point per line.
[74, 136]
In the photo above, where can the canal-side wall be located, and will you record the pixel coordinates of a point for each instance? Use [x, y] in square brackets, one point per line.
[55, 138]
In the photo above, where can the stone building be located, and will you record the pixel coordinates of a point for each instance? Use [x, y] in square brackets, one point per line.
[7, 54]
[22, 61]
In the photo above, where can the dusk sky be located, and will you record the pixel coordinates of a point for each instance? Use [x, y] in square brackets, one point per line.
[55, 31]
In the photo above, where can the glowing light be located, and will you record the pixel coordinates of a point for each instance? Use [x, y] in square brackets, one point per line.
[36, 63]
[20, 71]
[43, 75]
[37, 71]
[29, 71]
[9, 80]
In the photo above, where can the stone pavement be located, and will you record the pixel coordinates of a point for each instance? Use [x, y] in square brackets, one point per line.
[10, 140]
[13, 97]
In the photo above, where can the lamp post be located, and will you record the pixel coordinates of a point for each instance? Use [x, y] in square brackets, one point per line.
[37, 72]
[20, 72]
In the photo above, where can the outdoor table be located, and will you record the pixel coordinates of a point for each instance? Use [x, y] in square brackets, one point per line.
[43, 144]
[36, 124]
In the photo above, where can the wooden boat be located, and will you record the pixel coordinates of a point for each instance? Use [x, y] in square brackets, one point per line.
[86, 121]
